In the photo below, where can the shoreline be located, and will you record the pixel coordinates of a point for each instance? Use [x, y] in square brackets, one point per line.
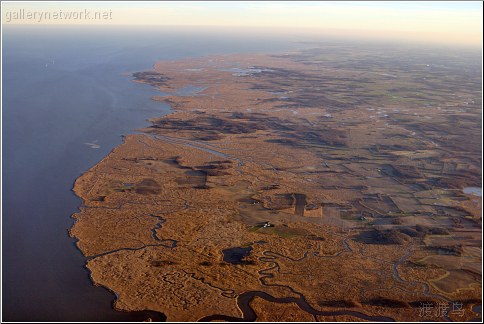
[147, 314]
[193, 183]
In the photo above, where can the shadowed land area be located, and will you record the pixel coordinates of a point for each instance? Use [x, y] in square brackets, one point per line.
[325, 184]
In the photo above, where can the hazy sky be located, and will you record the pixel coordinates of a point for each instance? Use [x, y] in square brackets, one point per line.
[447, 22]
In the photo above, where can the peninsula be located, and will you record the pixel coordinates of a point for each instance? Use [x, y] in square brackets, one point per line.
[315, 185]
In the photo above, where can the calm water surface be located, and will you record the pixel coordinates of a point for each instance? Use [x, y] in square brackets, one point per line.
[476, 191]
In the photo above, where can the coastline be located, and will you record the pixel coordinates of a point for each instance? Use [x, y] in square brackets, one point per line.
[175, 158]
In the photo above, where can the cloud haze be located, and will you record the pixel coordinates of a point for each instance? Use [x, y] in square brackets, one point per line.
[444, 22]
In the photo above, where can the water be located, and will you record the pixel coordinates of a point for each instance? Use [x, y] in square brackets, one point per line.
[236, 255]
[63, 88]
[476, 191]
[189, 90]
[477, 309]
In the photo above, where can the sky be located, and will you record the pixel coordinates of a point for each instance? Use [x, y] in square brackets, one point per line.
[448, 22]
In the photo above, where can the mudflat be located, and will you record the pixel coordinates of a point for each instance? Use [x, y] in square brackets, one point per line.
[315, 185]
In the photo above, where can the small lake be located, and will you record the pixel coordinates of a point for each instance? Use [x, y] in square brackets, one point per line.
[476, 191]
[236, 255]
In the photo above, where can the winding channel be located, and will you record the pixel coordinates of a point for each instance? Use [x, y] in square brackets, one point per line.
[244, 299]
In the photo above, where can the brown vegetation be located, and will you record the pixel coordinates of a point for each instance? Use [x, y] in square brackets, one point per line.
[356, 180]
